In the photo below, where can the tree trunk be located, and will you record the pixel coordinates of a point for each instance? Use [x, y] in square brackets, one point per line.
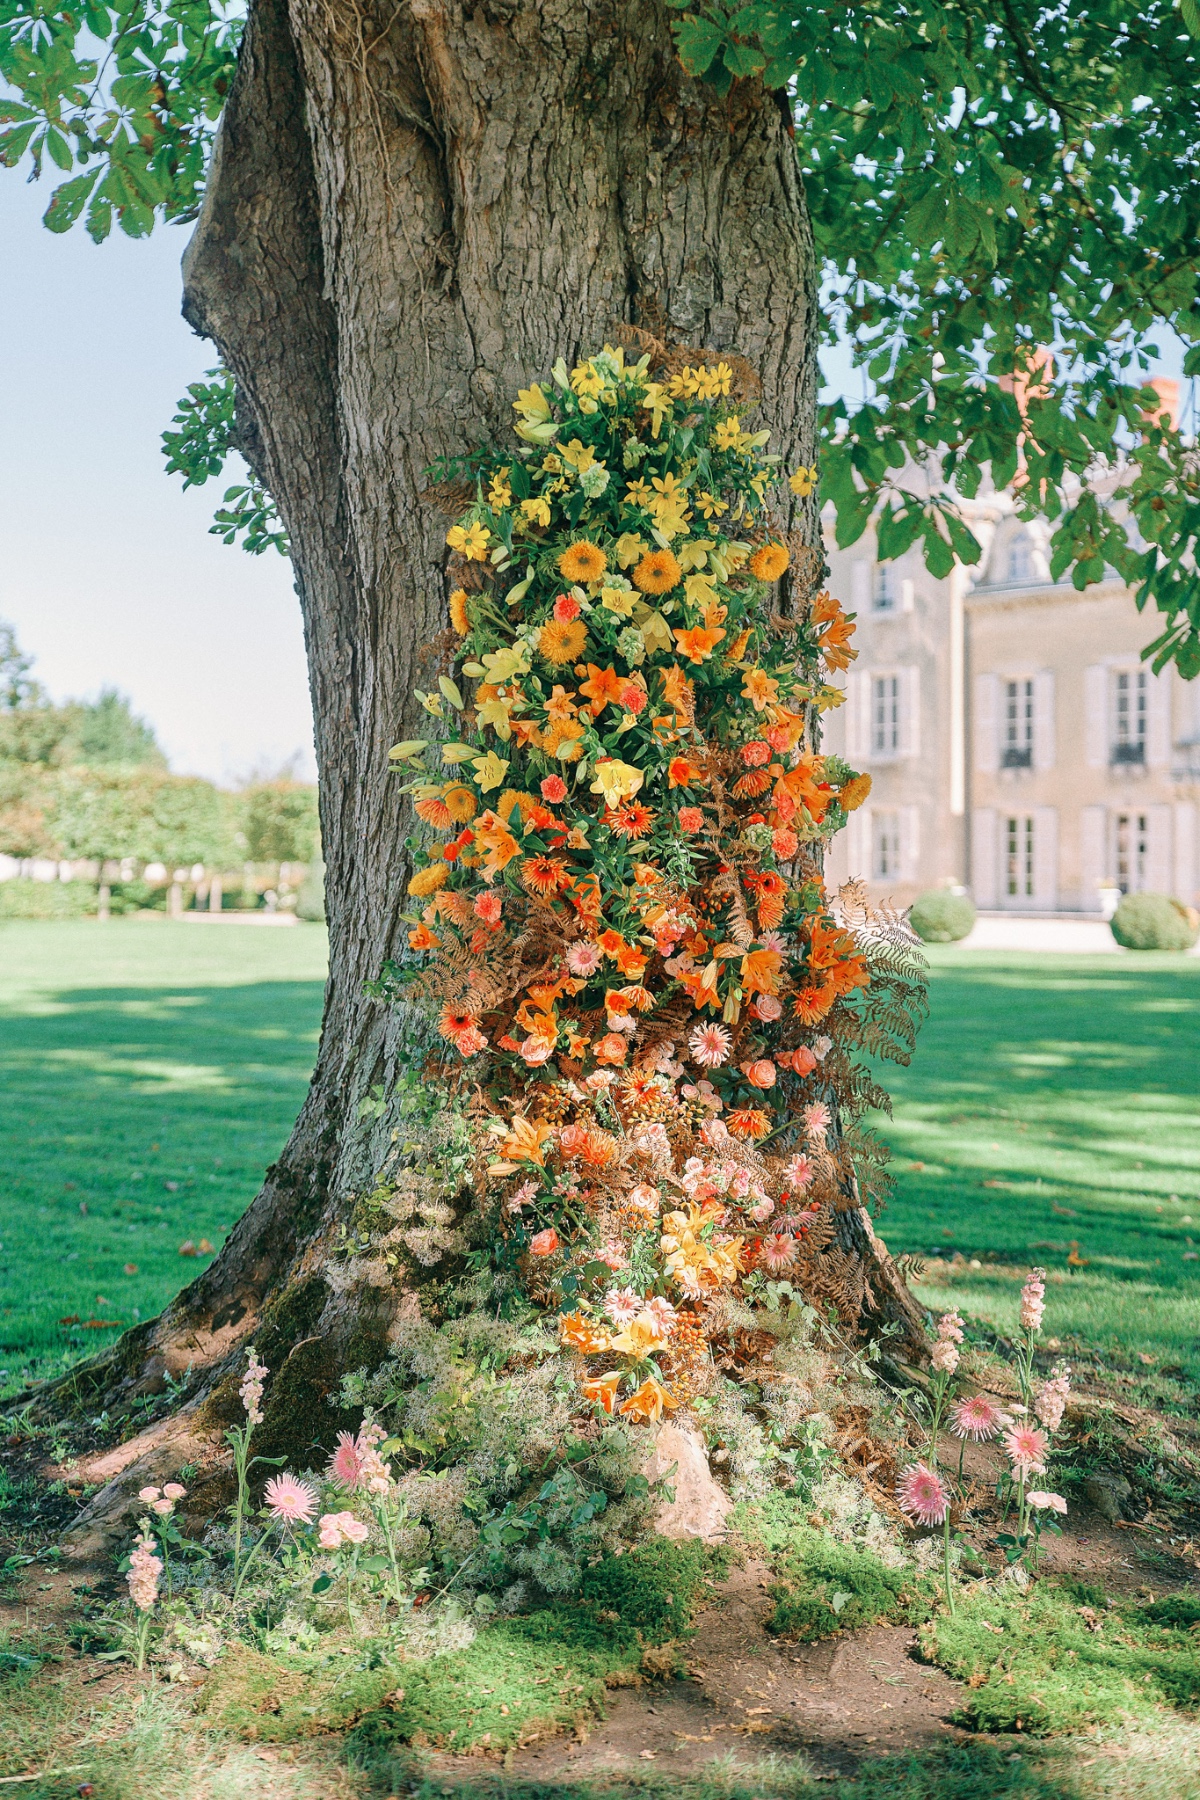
[414, 210]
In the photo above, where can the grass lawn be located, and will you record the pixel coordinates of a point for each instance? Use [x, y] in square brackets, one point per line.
[1052, 1115]
[150, 1071]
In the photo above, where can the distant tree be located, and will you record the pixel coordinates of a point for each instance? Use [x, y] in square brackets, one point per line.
[279, 821]
[107, 730]
[17, 688]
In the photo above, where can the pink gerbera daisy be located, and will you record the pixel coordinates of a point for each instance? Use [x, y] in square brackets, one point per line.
[346, 1463]
[1027, 1447]
[817, 1119]
[622, 1305]
[977, 1418]
[777, 1253]
[663, 1314]
[583, 959]
[291, 1501]
[923, 1495]
[798, 1174]
[709, 1045]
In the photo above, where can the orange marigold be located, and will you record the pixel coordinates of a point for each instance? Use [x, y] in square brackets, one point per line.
[459, 617]
[852, 793]
[769, 561]
[658, 572]
[461, 803]
[582, 561]
[435, 812]
[562, 640]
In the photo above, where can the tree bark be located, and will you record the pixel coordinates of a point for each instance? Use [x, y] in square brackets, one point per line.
[413, 210]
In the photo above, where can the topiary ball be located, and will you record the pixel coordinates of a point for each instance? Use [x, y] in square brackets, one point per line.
[1153, 922]
[940, 917]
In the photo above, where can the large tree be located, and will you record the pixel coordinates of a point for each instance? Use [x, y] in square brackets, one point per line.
[410, 211]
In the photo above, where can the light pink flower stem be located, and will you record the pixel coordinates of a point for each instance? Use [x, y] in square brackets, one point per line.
[946, 1561]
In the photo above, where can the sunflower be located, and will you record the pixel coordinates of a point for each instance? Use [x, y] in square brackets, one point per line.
[458, 612]
[630, 820]
[461, 803]
[544, 874]
[769, 561]
[562, 640]
[658, 572]
[582, 561]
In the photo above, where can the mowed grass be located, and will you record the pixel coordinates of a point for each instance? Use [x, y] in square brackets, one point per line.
[1051, 1115]
[149, 1073]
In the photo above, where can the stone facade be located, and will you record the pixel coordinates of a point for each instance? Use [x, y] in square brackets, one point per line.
[1018, 745]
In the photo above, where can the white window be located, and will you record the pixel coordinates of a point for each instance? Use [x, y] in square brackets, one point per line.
[1020, 559]
[886, 596]
[1127, 737]
[885, 846]
[886, 713]
[1020, 869]
[1017, 751]
[1131, 846]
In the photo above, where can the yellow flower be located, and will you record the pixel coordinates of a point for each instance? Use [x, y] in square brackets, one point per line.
[532, 405]
[701, 592]
[709, 505]
[769, 562]
[648, 1402]
[586, 379]
[501, 665]
[459, 617]
[499, 493]
[616, 780]
[429, 880]
[617, 600]
[629, 548]
[728, 434]
[498, 714]
[490, 771]
[578, 456]
[472, 542]
[640, 1338]
[656, 402]
[713, 384]
[802, 481]
[537, 511]
[582, 561]
[638, 493]
[656, 633]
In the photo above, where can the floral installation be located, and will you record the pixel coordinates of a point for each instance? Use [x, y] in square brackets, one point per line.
[639, 982]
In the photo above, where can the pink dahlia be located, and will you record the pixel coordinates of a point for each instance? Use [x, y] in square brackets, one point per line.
[291, 1501]
[691, 819]
[1027, 1448]
[488, 906]
[347, 1462]
[709, 1045]
[663, 1314]
[784, 843]
[554, 789]
[977, 1418]
[923, 1495]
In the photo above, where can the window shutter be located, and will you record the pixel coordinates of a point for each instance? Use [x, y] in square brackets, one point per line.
[857, 836]
[983, 855]
[910, 843]
[858, 716]
[910, 711]
[1043, 720]
[1158, 850]
[907, 596]
[1158, 722]
[1095, 715]
[1093, 861]
[987, 724]
[1045, 857]
[860, 586]
[1184, 885]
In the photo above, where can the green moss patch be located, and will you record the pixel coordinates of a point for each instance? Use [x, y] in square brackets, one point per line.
[822, 1586]
[1049, 1661]
[275, 1700]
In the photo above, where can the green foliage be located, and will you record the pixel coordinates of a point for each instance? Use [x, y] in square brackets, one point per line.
[47, 899]
[940, 917]
[822, 1586]
[987, 183]
[1153, 922]
[1071, 1664]
[201, 448]
[310, 899]
[279, 821]
[96, 733]
[17, 688]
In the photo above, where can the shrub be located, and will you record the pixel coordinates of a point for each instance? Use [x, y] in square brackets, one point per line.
[1153, 922]
[824, 1586]
[47, 899]
[310, 901]
[940, 917]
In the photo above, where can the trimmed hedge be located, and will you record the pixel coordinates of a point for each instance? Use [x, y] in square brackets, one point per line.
[1153, 922]
[940, 917]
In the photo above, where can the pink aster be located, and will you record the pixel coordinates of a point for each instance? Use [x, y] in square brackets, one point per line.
[923, 1495]
[977, 1418]
[709, 1045]
[346, 1464]
[777, 1253]
[291, 1501]
[583, 959]
[1027, 1447]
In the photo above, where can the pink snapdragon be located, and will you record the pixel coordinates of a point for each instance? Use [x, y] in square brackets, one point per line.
[252, 1387]
[1051, 1403]
[144, 1571]
[1033, 1300]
